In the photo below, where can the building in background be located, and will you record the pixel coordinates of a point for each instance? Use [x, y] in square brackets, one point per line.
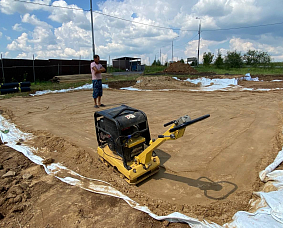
[128, 64]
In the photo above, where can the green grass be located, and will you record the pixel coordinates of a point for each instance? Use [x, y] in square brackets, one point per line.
[154, 69]
[39, 86]
[10, 95]
[151, 70]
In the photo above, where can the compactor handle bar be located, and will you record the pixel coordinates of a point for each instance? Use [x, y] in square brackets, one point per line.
[167, 124]
[186, 123]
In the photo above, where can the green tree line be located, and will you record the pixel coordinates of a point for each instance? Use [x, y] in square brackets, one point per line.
[234, 59]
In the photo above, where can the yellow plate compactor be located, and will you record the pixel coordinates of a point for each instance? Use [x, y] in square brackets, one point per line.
[124, 141]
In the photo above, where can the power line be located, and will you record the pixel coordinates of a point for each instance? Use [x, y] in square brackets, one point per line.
[119, 18]
[243, 27]
[156, 26]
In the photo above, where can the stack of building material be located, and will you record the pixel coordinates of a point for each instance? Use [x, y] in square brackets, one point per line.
[14, 87]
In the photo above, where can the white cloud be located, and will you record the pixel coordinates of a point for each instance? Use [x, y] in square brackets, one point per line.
[32, 19]
[42, 32]
[71, 35]
[212, 8]
[17, 27]
[241, 45]
[8, 38]
[1, 34]
[5, 55]
[20, 44]
[22, 56]
[245, 45]
[66, 33]
[65, 14]
[11, 7]
[243, 12]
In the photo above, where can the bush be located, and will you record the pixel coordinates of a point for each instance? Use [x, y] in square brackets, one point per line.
[233, 60]
[156, 63]
[255, 58]
[219, 61]
[207, 58]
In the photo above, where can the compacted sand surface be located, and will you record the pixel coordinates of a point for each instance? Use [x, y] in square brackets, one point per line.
[210, 173]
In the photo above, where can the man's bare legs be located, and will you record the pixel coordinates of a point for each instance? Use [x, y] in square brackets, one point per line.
[97, 101]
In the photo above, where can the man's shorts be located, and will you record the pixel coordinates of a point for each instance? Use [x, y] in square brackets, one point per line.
[97, 88]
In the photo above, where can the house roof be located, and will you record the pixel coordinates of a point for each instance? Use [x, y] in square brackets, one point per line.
[126, 58]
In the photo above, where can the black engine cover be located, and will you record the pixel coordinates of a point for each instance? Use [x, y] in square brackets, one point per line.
[114, 126]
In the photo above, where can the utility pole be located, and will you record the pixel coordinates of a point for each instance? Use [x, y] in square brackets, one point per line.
[2, 69]
[33, 69]
[172, 51]
[155, 60]
[92, 33]
[160, 57]
[199, 28]
[172, 46]
[80, 65]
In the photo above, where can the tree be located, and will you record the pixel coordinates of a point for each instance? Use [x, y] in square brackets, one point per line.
[207, 58]
[255, 58]
[182, 61]
[219, 61]
[156, 63]
[233, 60]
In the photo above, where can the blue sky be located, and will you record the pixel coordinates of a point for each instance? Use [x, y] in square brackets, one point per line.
[146, 28]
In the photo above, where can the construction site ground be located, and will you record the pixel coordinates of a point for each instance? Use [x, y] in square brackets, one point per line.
[210, 173]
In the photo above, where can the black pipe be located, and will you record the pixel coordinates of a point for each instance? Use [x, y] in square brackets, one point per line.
[24, 89]
[14, 84]
[11, 90]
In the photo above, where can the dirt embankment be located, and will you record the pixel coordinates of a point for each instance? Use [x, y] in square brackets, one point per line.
[31, 198]
[163, 82]
[179, 67]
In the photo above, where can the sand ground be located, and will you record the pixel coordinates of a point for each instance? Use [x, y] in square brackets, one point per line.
[210, 173]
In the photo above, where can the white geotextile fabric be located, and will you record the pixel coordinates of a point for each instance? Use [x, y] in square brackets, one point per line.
[270, 208]
[86, 86]
[278, 160]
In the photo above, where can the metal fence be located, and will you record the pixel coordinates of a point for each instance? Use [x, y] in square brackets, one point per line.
[18, 70]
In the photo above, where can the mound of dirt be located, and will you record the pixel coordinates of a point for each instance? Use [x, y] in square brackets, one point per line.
[163, 82]
[121, 84]
[179, 67]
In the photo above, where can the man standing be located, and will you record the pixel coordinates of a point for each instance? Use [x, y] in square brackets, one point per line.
[96, 70]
